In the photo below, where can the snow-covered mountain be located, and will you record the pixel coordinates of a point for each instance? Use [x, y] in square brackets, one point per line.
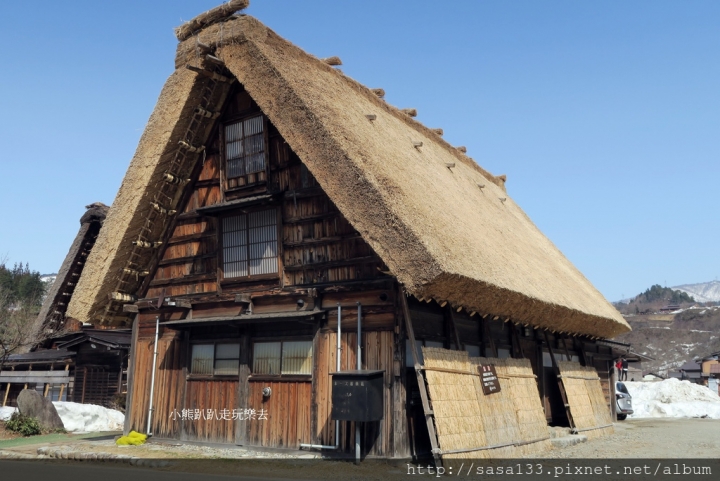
[703, 292]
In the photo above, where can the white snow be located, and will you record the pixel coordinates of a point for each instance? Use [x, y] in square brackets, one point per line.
[674, 399]
[85, 418]
[89, 417]
[6, 412]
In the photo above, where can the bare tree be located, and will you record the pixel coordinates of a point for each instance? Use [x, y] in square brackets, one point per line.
[19, 328]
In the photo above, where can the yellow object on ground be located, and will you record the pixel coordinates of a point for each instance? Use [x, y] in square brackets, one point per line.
[132, 439]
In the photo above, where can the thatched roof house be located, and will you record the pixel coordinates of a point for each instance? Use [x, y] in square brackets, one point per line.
[445, 227]
[52, 312]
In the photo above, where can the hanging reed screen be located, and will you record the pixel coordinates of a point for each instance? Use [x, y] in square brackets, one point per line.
[471, 425]
[588, 406]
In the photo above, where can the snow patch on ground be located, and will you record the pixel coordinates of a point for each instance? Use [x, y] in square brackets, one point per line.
[89, 417]
[6, 412]
[85, 418]
[673, 398]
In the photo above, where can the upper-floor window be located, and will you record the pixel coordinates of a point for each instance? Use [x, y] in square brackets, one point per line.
[250, 244]
[245, 147]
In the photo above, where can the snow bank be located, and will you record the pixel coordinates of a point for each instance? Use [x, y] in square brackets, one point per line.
[674, 399]
[6, 412]
[89, 417]
[86, 418]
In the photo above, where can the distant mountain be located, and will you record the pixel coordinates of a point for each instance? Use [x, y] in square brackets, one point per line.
[703, 292]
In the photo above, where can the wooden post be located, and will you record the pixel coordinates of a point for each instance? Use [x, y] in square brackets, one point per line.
[420, 379]
[7, 389]
[517, 345]
[29, 369]
[450, 321]
[560, 383]
[47, 385]
[244, 387]
[62, 386]
[610, 366]
[481, 328]
[82, 399]
[541, 371]
[488, 333]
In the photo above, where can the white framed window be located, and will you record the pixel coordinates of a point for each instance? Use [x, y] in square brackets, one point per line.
[282, 357]
[216, 359]
[245, 147]
[250, 244]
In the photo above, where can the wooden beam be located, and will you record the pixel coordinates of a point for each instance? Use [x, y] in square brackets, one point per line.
[429, 417]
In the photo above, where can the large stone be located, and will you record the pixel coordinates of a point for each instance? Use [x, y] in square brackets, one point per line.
[31, 403]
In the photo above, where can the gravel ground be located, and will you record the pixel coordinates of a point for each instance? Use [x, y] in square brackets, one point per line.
[651, 438]
[634, 438]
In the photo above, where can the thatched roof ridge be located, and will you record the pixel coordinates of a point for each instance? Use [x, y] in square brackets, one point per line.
[413, 197]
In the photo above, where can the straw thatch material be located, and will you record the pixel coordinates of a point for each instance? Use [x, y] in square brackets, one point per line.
[515, 413]
[440, 235]
[458, 421]
[465, 418]
[210, 17]
[588, 406]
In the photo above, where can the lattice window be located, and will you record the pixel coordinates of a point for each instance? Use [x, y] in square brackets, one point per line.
[250, 244]
[282, 357]
[245, 147]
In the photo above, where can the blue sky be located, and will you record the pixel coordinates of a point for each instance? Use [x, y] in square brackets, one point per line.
[603, 115]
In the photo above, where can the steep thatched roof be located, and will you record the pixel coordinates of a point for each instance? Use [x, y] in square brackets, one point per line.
[420, 207]
[52, 312]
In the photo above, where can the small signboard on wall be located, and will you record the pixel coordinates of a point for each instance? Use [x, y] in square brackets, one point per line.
[489, 379]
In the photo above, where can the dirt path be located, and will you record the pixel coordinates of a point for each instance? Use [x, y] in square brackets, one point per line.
[634, 438]
[651, 438]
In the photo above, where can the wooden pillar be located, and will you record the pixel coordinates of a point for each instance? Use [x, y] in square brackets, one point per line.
[241, 426]
[541, 372]
[7, 389]
[400, 442]
[130, 378]
[62, 386]
[47, 385]
[610, 366]
[29, 369]
[85, 371]
[451, 331]
[481, 328]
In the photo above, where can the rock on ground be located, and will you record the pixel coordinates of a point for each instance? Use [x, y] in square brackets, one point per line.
[31, 403]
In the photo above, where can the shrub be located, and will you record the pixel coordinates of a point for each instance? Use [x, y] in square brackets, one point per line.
[22, 424]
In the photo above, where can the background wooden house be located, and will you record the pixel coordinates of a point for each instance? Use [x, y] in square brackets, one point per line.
[270, 198]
